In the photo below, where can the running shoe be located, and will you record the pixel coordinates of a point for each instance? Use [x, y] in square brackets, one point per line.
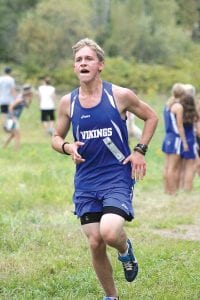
[129, 264]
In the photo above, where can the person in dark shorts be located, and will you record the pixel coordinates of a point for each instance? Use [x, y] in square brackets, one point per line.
[7, 92]
[47, 97]
[106, 169]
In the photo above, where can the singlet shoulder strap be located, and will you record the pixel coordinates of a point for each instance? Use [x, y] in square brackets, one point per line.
[107, 88]
[74, 94]
[73, 97]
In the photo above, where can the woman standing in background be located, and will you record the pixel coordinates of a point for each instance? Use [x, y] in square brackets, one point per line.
[174, 138]
[190, 158]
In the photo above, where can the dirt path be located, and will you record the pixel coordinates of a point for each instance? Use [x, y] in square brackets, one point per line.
[183, 232]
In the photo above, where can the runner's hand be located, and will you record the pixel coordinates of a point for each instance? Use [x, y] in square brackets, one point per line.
[77, 158]
[138, 165]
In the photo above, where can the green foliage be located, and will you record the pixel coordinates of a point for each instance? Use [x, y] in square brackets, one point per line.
[147, 31]
[148, 45]
[147, 78]
[144, 78]
[188, 13]
[46, 35]
[10, 14]
[64, 77]
[41, 33]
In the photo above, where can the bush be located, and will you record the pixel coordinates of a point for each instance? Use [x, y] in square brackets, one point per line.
[144, 78]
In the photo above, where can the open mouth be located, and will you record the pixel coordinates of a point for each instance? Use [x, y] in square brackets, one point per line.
[84, 71]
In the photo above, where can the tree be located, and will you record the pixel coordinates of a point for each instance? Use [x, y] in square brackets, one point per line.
[40, 33]
[146, 30]
[46, 34]
[10, 13]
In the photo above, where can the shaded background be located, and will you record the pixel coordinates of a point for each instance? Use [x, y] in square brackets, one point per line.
[150, 44]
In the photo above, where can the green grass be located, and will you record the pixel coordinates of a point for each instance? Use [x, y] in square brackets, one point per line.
[43, 253]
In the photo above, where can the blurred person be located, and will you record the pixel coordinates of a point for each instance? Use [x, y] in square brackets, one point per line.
[190, 157]
[174, 139]
[47, 97]
[198, 137]
[198, 143]
[15, 110]
[133, 129]
[192, 91]
[7, 92]
[106, 169]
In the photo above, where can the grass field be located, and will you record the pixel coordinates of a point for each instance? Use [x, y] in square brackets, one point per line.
[43, 253]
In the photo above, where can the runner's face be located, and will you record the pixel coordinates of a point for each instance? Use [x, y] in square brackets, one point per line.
[87, 65]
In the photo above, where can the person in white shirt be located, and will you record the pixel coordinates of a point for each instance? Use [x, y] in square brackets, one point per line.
[7, 92]
[47, 97]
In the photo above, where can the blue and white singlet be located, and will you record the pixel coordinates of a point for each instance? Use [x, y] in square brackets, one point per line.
[191, 141]
[172, 141]
[101, 170]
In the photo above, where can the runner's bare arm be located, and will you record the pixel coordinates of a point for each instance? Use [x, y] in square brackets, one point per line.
[62, 129]
[126, 100]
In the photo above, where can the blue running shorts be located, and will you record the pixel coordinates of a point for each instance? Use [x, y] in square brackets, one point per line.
[172, 144]
[116, 200]
[192, 153]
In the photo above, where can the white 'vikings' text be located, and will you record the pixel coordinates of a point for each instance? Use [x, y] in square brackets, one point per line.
[96, 133]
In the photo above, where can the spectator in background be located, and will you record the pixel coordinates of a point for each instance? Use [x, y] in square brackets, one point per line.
[188, 157]
[133, 130]
[47, 97]
[174, 139]
[197, 171]
[7, 92]
[193, 139]
[15, 110]
[192, 91]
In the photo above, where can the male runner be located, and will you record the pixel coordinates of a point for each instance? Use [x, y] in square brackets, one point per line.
[105, 167]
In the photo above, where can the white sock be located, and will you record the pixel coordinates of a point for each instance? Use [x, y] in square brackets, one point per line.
[126, 252]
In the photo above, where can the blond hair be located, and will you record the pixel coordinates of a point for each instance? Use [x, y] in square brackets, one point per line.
[190, 89]
[178, 90]
[89, 43]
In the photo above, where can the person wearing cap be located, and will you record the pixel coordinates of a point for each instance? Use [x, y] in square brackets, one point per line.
[15, 110]
[7, 92]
